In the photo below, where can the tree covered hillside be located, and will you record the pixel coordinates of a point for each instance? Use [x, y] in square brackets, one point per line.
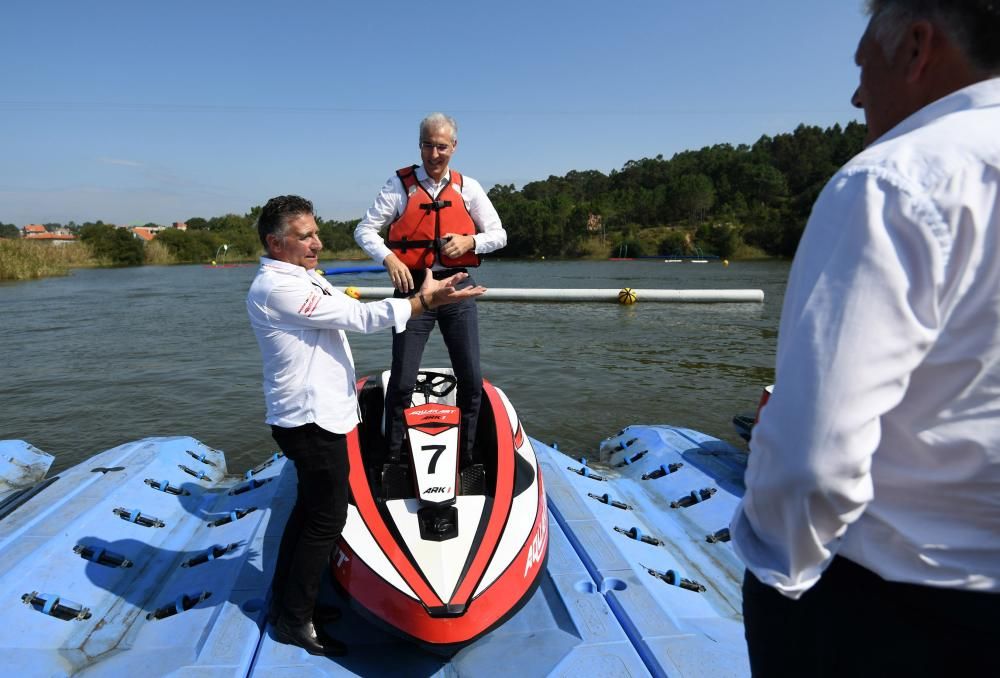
[723, 199]
[717, 200]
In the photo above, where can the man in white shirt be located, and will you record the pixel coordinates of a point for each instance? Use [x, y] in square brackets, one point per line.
[299, 320]
[870, 526]
[439, 221]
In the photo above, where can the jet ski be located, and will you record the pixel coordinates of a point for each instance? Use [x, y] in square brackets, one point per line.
[437, 553]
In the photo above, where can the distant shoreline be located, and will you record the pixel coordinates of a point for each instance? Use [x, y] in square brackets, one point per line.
[24, 261]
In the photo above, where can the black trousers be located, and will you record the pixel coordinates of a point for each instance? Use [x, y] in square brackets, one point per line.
[317, 519]
[853, 623]
[459, 325]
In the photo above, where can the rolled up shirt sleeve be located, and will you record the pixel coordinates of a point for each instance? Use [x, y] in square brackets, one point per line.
[861, 311]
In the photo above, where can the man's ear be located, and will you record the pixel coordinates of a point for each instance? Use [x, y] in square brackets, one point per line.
[918, 46]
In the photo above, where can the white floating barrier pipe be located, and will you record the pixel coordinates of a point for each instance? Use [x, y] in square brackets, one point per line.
[535, 294]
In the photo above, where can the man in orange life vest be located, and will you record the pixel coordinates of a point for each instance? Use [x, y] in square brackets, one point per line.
[439, 221]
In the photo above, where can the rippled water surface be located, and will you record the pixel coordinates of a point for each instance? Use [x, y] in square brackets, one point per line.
[103, 357]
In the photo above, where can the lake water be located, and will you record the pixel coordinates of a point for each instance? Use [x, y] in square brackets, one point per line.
[107, 356]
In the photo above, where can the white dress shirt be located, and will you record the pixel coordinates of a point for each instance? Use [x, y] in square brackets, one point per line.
[299, 321]
[881, 441]
[391, 202]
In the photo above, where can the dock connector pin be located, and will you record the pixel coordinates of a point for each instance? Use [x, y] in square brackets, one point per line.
[585, 472]
[232, 516]
[165, 486]
[200, 475]
[605, 499]
[202, 458]
[662, 470]
[270, 460]
[721, 535]
[693, 498]
[631, 460]
[135, 516]
[101, 556]
[55, 606]
[674, 578]
[636, 533]
[210, 555]
[252, 485]
[183, 602]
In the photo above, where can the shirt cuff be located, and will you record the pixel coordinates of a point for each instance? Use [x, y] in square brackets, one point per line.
[768, 565]
[381, 252]
[401, 311]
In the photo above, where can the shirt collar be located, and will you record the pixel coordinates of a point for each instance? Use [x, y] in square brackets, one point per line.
[267, 263]
[981, 94]
[423, 177]
[283, 266]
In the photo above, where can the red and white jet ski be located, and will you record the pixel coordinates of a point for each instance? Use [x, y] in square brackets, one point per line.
[439, 555]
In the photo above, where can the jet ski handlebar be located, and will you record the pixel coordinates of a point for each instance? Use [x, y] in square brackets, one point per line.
[435, 384]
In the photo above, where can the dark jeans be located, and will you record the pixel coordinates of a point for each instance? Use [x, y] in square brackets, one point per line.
[853, 623]
[316, 521]
[459, 325]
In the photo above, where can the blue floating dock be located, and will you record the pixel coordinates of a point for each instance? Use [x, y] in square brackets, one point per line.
[352, 269]
[101, 541]
[678, 632]
[602, 609]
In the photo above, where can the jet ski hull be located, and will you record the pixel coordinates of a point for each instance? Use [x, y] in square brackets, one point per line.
[444, 591]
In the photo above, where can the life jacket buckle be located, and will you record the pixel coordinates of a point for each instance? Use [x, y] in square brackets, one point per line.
[436, 205]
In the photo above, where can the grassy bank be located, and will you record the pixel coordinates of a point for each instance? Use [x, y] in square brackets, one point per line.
[26, 260]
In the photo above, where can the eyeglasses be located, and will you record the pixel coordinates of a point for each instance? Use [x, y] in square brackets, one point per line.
[440, 148]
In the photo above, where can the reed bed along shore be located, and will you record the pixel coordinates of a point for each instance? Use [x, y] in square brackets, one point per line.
[26, 260]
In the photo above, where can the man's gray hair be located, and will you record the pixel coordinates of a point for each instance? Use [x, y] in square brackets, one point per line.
[436, 121]
[972, 25]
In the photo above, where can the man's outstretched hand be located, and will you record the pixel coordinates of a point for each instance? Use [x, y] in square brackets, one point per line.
[440, 292]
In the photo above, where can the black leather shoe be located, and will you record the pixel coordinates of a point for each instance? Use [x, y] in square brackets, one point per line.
[305, 636]
[323, 614]
[329, 642]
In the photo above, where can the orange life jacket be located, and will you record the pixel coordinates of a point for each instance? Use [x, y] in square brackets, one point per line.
[415, 237]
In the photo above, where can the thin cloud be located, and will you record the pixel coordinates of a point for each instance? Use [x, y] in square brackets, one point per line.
[120, 161]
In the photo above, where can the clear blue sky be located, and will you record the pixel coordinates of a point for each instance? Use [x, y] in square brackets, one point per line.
[134, 111]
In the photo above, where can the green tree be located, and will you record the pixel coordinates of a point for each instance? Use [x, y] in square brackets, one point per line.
[763, 193]
[575, 231]
[115, 245]
[9, 231]
[525, 222]
[337, 236]
[191, 246]
[721, 239]
[694, 195]
[674, 242]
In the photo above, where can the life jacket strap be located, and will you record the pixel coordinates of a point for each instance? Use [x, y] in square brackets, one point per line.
[436, 205]
[406, 244]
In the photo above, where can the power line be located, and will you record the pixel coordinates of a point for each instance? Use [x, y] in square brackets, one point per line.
[106, 106]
